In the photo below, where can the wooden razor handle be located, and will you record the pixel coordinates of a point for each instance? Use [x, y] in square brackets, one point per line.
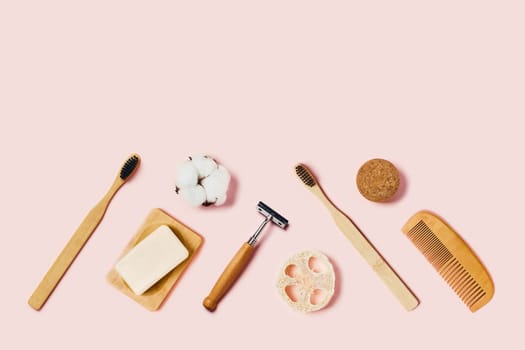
[228, 276]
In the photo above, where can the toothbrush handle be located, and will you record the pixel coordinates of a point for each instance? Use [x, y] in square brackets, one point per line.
[390, 278]
[71, 250]
[228, 276]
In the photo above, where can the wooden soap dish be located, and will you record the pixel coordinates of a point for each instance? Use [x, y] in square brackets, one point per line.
[154, 297]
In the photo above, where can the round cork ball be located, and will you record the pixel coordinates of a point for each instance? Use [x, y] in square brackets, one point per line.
[378, 180]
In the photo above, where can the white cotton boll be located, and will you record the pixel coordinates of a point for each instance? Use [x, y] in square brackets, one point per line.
[205, 165]
[186, 175]
[213, 187]
[211, 196]
[221, 200]
[195, 195]
[216, 185]
[201, 181]
[224, 175]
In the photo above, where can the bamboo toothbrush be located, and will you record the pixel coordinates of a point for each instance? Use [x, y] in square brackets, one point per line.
[80, 237]
[360, 242]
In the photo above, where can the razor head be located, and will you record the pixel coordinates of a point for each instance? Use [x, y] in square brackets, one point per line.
[276, 218]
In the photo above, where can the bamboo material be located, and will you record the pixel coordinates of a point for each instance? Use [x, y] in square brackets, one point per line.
[452, 258]
[228, 276]
[153, 298]
[360, 242]
[78, 240]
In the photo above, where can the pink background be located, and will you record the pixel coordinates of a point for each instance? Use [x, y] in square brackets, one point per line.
[436, 88]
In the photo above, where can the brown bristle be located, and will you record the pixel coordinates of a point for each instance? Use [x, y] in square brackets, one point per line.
[450, 256]
[304, 174]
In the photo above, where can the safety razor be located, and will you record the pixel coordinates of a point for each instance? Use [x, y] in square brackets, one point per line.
[241, 259]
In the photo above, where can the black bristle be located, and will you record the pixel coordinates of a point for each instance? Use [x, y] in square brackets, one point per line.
[129, 167]
[305, 176]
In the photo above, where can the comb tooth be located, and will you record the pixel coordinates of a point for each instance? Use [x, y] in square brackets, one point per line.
[430, 243]
[443, 260]
[479, 292]
[417, 226]
[453, 282]
[427, 242]
[449, 271]
[470, 286]
[458, 276]
[468, 289]
[460, 283]
[440, 258]
[421, 235]
[416, 234]
[434, 248]
[474, 301]
[454, 275]
[452, 271]
[473, 294]
[473, 290]
[463, 296]
[447, 267]
[444, 253]
[469, 283]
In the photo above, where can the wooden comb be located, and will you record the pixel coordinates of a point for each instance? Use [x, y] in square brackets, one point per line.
[452, 258]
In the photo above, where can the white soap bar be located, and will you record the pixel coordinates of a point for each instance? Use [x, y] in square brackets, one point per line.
[151, 259]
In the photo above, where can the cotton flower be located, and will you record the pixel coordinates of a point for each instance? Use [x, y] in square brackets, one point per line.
[201, 181]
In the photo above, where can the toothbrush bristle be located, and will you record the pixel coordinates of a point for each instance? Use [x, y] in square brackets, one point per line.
[129, 167]
[305, 175]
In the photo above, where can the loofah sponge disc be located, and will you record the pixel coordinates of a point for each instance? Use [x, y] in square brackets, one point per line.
[307, 281]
